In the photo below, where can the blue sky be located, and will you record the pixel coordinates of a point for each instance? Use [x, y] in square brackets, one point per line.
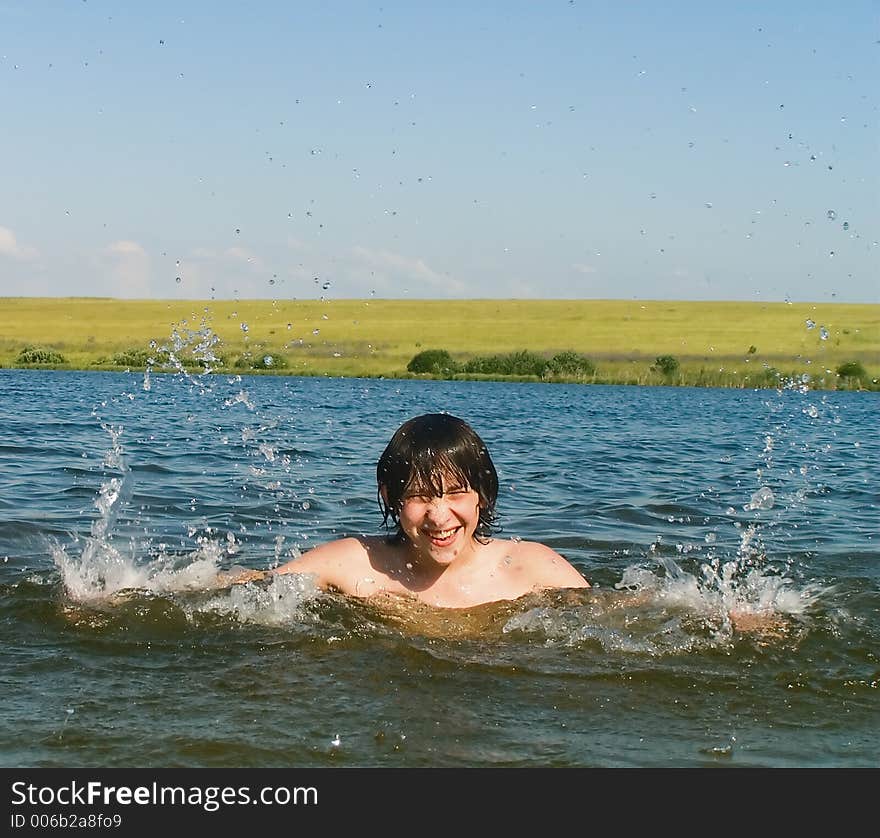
[410, 150]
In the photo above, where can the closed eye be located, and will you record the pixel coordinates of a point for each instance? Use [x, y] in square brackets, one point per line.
[423, 498]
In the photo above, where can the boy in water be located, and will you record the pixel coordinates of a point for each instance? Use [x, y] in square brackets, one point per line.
[438, 486]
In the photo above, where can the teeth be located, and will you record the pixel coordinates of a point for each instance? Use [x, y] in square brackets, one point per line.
[441, 534]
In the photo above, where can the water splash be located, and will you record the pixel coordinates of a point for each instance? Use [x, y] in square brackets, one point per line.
[187, 347]
[744, 590]
[762, 499]
[101, 570]
[662, 608]
[709, 596]
[101, 566]
[123, 558]
[280, 602]
[103, 574]
[104, 577]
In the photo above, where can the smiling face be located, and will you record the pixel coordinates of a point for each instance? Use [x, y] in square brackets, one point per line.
[437, 483]
[440, 527]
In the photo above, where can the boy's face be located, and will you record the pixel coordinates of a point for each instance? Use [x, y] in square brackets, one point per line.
[440, 527]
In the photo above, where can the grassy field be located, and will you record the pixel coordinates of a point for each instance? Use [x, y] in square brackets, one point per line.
[714, 343]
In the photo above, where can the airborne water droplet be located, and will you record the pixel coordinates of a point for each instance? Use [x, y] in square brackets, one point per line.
[762, 499]
[846, 225]
[244, 327]
[811, 324]
[823, 333]
[831, 215]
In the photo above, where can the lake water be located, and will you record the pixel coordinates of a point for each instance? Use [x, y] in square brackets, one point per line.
[122, 495]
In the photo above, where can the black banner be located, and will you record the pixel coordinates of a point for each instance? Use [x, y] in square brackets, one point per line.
[117, 802]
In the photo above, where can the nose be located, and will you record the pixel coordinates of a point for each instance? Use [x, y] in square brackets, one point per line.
[438, 505]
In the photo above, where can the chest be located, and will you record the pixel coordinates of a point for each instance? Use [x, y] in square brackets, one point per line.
[498, 578]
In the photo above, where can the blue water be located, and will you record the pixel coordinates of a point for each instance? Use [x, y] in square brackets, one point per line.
[122, 495]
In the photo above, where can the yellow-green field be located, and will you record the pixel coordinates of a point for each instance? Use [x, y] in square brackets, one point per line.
[715, 343]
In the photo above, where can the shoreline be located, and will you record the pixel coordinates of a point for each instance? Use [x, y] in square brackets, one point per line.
[781, 383]
[640, 342]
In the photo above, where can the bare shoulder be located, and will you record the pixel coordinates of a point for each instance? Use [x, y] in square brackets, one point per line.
[331, 562]
[546, 567]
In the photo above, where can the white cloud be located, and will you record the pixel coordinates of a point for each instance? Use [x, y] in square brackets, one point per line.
[297, 244]
[207, 273]
[124, 270]
[240, 254]
[9, 246]
[126, 248]
[395, 271]
[518, 288]
[584, 269]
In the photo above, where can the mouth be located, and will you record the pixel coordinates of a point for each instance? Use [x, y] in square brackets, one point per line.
[442, 538]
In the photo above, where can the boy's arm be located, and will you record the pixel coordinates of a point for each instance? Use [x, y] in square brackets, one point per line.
[332, 564]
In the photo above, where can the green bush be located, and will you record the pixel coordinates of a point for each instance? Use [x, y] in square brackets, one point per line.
[131, 358]
[38, 355]
[523, 363]
[852, 372]
[766, 377]
[433, 361]
[666, 364]
[212, 363]
[262, 361]
[270, 361]
[571, 364]
[513, 363]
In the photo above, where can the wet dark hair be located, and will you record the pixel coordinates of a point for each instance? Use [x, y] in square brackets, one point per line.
[430, 453]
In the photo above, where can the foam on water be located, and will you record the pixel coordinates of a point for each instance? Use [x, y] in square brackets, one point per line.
[103, 576]
[101, 571]
[280, 602]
